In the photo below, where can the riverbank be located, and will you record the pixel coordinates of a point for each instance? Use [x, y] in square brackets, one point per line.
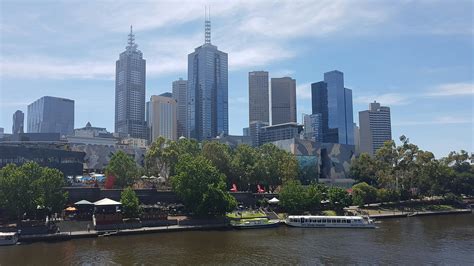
[416, 213]
[143, 230]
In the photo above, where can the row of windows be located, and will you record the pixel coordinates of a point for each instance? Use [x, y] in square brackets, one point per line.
[21, 160]
[324, 221]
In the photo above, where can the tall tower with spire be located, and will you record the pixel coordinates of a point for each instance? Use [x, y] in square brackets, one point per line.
[130, 81]
[207, 109]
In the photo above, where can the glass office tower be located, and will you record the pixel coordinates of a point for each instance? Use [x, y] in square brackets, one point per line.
[208, 110]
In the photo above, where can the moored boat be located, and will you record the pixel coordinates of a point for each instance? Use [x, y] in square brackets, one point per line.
[329, 221]
[254, 223]
[8, 238]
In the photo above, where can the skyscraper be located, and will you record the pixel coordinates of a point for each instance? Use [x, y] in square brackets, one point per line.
[18, 122]
[258, 96]
[283, 100]
[162, 117]
[208, 111]
[375, 127]
[51, 115]
[179, 94]
[313, 127]
[130, 79]
[334, 103]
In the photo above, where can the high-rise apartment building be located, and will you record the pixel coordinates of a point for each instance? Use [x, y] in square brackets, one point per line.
[51, 115]
[283, 104]
[130, 79]
[334, 103]
[162, 117]
[258, 96]
[313, 127]
[357, 138]
[180, 88]
[375, 127]
[18, 122]
[208, 110]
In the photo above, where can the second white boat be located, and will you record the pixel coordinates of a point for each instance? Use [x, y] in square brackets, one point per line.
[330, 221]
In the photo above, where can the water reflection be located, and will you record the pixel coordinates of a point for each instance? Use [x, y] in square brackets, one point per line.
[415, 240]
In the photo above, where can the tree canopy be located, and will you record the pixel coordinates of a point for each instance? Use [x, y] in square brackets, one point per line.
[24, 188]
[202, 187]
[123, 168]
[130, 203]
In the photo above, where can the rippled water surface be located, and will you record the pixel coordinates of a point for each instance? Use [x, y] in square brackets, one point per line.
[416, 240]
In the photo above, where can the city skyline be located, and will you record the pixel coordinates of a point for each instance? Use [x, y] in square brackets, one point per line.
[425, 78]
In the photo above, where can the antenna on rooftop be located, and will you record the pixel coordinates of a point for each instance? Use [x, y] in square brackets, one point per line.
[207, 24]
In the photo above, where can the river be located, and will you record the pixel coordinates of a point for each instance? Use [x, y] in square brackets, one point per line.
[415, 240]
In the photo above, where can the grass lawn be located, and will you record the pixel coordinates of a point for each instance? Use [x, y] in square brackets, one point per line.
[246, 215]
[329, 213]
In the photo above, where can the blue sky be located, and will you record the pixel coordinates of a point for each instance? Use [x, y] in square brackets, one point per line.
[414, 56]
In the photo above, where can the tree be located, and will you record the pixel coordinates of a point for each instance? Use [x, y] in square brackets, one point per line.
[50, 192]
[201, 187]
[292, 197]
[338, 198]
[219, 155]
[155, 159]
[386, 195]
[275, 165]
[245, 166]
[363, 193]
[123, 167]
[314, 195]
[130, 203]
[364, 169]
[177, 149]
[23, 188]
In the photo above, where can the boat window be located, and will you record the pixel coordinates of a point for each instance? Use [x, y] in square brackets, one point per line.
[343, 221]
[338, 221]
[324, 221]
[318, 221]
[349, 221]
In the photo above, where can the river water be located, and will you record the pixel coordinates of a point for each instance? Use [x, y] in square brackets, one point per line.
[415, 240]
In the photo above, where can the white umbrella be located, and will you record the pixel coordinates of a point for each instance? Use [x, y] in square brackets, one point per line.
[106, 202]
[274, 200]
[144, 177]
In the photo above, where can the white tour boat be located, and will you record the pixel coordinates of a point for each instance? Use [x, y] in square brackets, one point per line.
[8, 238]
[330, 221]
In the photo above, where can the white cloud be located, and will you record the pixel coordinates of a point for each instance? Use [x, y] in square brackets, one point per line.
[55, 68]
[452, 89]
[441, 120]
[303, 91]
[389, 99]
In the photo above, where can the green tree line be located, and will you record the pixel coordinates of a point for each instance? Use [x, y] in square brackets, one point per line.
[406, 171]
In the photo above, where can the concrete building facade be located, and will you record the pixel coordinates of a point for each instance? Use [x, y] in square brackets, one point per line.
[163, 117]
[283, 100]
[375, 128]
[180, 88]
[130, 80]
[284, 131]
[313, 127]
[18, 122]
[259, 97]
